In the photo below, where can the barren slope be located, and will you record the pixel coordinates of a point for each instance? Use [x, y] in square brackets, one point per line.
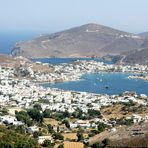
[84, 41]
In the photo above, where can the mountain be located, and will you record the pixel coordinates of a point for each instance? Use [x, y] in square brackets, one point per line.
[84, 41]
[139, 56]
[144, 34]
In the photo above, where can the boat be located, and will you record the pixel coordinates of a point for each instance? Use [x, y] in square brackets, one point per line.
[106, 87]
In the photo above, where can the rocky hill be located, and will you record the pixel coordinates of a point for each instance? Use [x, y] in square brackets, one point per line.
[125, 136]
[139, 56]
[90, 40]
[144, 34]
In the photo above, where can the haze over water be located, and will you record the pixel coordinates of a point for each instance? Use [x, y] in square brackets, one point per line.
[9, 39]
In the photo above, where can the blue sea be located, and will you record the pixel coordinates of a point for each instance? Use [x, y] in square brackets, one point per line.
[8, 40]
[104, 83]
[56, 61]
[101, 83]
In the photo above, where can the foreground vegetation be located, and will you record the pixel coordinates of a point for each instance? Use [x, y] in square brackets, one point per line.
[12, 139]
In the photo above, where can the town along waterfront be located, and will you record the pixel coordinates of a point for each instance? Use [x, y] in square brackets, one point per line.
[56, 61]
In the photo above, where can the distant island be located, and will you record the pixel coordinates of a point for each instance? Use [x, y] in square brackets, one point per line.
[90, 40]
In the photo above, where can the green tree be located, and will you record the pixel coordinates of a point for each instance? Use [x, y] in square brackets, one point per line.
[93, 133]
[80, 136]
[58, 116]
[94, 113]
[101, 127]
[78, 113]
[66, 114]
[20, 129]
[50, 128]
[106, 142]
[61, 146]
[96, 145]
[58, 136]
[37, 134]
[47, 143]
[24, 117]
[66, 122]
[47, 113]
[37, 106]
[10, 138]
[4, 111]
[35, 115]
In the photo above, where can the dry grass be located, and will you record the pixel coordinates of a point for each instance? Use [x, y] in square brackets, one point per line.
[68, 144]
[113, 111]
[13, 109]
[124, 136]
[8, 61]
[41, 68]
[51, 121]
[85, 135]
[73, 144]
[71, 136]
[116, 111]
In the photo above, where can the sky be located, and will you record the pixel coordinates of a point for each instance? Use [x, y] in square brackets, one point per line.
[54, 15]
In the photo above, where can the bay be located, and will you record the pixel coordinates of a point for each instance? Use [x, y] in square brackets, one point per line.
[56, 61]
[100, 83]
[104, 83]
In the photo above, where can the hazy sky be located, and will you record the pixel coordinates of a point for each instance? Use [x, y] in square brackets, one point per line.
[54, 15]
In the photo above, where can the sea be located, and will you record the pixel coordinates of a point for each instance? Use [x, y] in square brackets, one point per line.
[104, 83]
[9, 39]
[99, 83]
[56, 61]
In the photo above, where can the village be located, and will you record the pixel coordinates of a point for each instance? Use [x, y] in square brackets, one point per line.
[75, 116]
[73, 71]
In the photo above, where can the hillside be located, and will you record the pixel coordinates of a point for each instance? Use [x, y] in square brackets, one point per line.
[144, 34]
[85, 41]
[15, 138]
[138, 56]
[125, 136]
[9, 61]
